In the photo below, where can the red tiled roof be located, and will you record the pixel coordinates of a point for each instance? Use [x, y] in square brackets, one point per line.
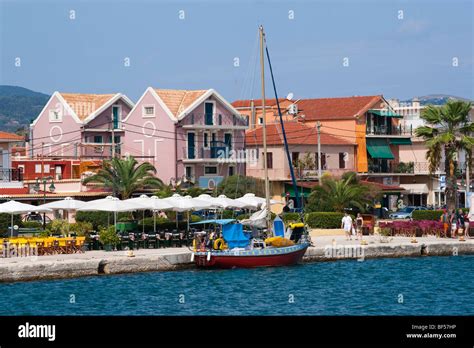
[296, 134]
[178, 100]
[13, 190]
[336, 108]
[86, 104]
[10, 136]
[257, 103]
[324, 108]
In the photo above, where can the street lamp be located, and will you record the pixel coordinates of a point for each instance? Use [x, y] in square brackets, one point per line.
[51, 189]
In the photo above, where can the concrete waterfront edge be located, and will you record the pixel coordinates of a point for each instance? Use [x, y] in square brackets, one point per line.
[58, 269]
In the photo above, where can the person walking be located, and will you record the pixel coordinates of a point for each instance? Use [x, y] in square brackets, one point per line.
[460, 222]
[466, 224]
[359, 225]
[346, 224]
[453, 223]
[446, 223]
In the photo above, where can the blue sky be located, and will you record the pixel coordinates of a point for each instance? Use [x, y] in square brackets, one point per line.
[396, 57]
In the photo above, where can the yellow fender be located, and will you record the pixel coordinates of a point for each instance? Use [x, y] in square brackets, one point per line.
[219, 244]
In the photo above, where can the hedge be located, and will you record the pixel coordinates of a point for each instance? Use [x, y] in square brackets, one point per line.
[291, 217]
[5, 221]
[324, 219]
[430, 214]
[99, 219]
[165, 224]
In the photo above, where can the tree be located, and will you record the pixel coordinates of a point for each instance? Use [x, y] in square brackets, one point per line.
[125, 176]
[448, 131]
[340, 194]
[236, 186]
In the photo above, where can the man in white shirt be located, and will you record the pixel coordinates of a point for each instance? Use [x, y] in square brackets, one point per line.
[346, 224]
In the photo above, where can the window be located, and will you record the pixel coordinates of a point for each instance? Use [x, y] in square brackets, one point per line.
[210, 170]
[234, 120]
[342, 162]
[231, 170]
[116, 116]
[294, 158]
[269, 159]
[148, 111]
[189, 172]
[260, 120]
[323, 160]
[46, 168]
[38, 169]
[1, 158]
[220, 120]
[98, 139]
[209, 113]
[206, 140]
[55, 115]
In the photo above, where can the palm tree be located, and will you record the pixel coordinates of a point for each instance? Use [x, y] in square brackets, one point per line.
[448, 131]
[125, 176]
[338, 195]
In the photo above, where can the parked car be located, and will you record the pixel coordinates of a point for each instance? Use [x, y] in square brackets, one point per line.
[405, 213]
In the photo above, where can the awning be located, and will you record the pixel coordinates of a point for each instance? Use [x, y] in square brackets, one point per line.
[385, 113]
[400, 141]
[379, 148]
[217, 222]
[302, 191]
[415, 188]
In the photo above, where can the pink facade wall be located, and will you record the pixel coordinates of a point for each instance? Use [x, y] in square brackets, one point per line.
[151, 139]
[56, 137]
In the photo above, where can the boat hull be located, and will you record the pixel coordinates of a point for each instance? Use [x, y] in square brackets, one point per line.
[269, 257]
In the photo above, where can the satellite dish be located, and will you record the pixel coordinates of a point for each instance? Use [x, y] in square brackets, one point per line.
[289, 96]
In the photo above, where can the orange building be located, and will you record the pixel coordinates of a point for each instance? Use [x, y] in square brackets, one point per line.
[367, 121]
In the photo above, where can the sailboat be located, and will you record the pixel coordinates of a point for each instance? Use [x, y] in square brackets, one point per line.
[239, 249]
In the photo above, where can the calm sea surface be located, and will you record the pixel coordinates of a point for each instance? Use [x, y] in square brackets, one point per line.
[408, 286]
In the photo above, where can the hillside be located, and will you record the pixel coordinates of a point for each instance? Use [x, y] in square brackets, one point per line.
[438, 99]
[19, 106]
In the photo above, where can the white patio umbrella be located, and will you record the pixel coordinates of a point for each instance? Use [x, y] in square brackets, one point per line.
[151, 203]
[68, 204]
[111, 204]
[224, 202]
[181, 204]
[256, 201]
[14, 207]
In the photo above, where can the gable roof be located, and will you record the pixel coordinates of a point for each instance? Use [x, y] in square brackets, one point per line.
[10, 137]
[296, 134]
[178, 100]
[84, 105]
[181, 102]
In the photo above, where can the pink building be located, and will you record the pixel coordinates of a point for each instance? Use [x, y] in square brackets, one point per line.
[75, 125]
[188, 135]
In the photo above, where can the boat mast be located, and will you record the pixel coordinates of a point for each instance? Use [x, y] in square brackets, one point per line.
[264, 130]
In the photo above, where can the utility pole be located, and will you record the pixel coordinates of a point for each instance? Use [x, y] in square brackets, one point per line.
[318, 127]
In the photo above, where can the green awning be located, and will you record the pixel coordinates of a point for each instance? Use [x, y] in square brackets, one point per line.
[385, 113]
[379, 148]
[301, 190]
[400, 141]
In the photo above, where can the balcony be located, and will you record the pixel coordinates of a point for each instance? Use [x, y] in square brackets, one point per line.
[215, 121]
[384, 130]
[219, 151]
[11, 174]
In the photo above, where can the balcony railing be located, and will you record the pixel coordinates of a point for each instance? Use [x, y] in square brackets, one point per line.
[211, 152]
[211, 120]
[384, 130]
[11, 174]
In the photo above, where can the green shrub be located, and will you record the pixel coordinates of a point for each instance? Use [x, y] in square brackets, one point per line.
[108, 236]
[165, 224]
[291, 217]
[100, 219]
[243, 216]
[32, 224]
[431, 214]
[81, 228]
[427, 214]
[324, 219]
[58, 227]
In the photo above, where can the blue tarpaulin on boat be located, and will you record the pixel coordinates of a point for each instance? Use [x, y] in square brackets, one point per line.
[278, 227]
[234, 236]
[218, 222]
